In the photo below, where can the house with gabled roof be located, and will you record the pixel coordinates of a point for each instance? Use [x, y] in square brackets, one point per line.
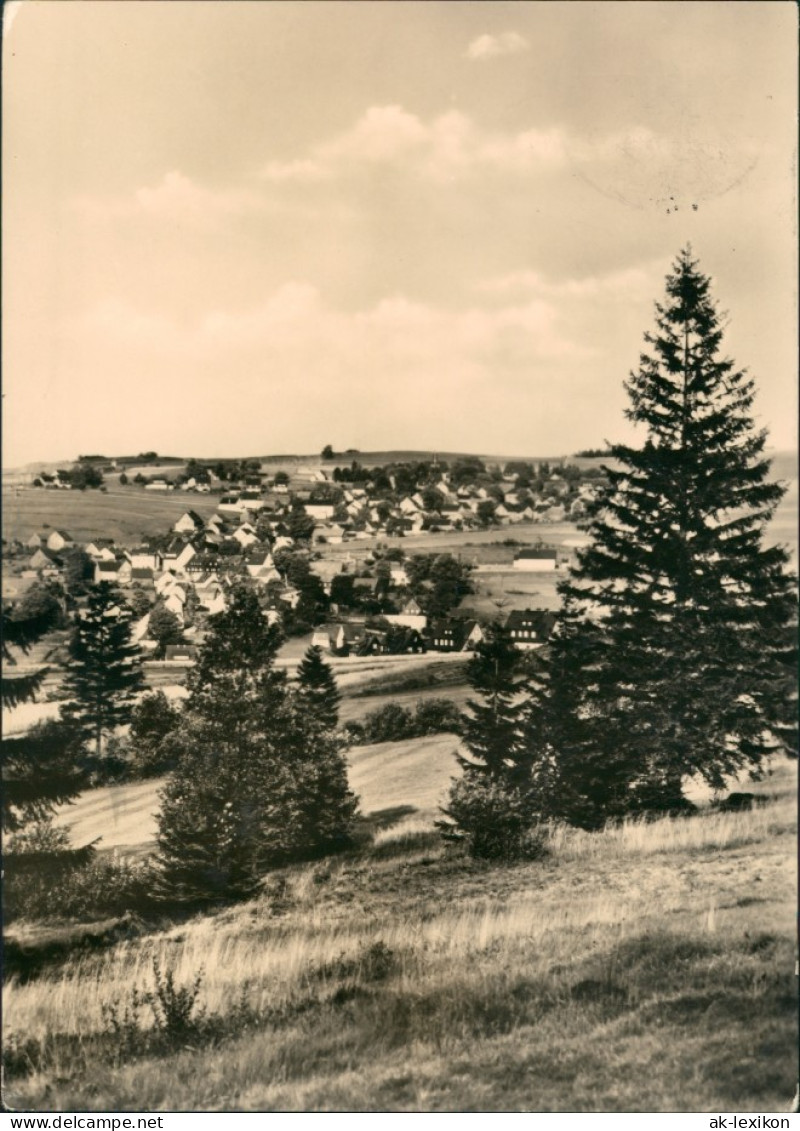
[142, 557]
[446, 634]
[321, 638]
[141, 576]
[258, 558]
[108, 570]
[100, 549]
[530, 628]
[245, 535]
[59, 540]
[190, 522]
[45, 562]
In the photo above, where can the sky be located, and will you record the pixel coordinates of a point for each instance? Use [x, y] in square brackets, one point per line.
[249, 228]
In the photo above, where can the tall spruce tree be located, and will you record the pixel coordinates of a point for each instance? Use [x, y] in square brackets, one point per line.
[317, 687]
[104, 675]
[683, 618]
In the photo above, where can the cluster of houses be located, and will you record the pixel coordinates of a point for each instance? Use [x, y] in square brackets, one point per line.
[259, 516]
[190, 567]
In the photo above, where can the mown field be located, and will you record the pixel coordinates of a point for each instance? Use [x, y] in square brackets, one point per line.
[413, 775]
[646, 968]
[121, 513]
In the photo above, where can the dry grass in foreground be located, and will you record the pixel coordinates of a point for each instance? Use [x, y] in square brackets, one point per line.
[647, 968]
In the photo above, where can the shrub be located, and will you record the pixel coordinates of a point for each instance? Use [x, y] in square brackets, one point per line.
[434, 716]
[393, 722]
[66, 885]
[494, 821]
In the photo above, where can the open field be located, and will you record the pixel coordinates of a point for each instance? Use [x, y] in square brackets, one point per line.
[642, 969]
[414, 774]
[121, 513]
[499, 591]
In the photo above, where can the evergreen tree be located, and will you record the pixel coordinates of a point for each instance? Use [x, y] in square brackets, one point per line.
[317, 688]
[259, 781]
[19, 632]
[239, 644]
[490, 728]
[154, 718]
[683, 619]
[164, 627]
[42, 769]
[104, 675]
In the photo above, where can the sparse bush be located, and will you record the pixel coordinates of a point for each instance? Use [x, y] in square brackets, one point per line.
[435, 716]
[173, 1005]
[79, 890]
[393, 722]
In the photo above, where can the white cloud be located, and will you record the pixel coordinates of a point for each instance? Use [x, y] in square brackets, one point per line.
[295, 366]
[631, 280]
[177, 198]
[490, 46]
[450, 145]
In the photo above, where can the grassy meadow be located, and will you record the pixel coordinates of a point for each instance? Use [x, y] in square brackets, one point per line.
[121, 513]
[646, 968]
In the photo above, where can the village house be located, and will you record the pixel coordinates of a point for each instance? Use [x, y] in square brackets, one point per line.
[321, 512]
[178, 555]
[321, 638]
[418, 622]
[529, 628]
[45, 562]
[190, 522]
[245, 535]
[144, 558]
[109, 570]
[100, 549]
[58, 540]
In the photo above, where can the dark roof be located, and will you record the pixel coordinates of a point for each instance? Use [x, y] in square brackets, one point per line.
[141, 573]
[108, 567]
[533, 555]
[540, 621]
[51, 557]
[202, 563]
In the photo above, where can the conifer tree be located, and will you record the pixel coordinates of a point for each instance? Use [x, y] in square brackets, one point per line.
[684, 617]
[489, 806]
[42, 768]
[259, 781]
[317, 687]
[490, 727]
[104, 675]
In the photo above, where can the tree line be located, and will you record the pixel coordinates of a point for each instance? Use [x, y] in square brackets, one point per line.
[673, 655]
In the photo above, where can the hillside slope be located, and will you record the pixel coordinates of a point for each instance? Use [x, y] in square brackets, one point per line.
[412, 775]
